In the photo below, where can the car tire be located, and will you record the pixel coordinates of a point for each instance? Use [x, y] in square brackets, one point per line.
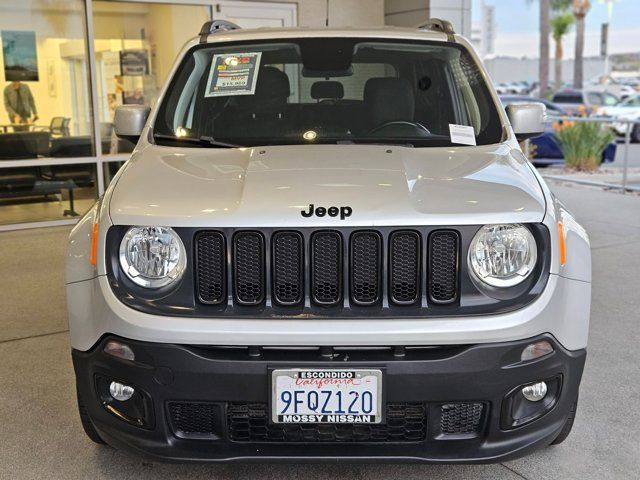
[87, 424]
[568, 425]
[635, 134]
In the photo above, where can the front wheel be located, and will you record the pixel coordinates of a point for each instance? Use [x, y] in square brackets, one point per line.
[635, 134]
[568, 425]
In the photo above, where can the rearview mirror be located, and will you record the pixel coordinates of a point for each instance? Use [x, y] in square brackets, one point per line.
[129, 121]
[527, 119]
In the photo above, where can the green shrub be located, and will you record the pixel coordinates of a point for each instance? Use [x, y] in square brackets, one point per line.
[582, 143]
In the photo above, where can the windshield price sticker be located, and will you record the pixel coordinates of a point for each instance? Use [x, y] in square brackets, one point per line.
[462, 134]
[233, 74]
[326, 396]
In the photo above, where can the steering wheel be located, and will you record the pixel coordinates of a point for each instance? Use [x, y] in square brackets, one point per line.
[399, 123]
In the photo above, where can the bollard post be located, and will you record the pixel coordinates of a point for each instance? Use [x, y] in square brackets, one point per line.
[627, 140]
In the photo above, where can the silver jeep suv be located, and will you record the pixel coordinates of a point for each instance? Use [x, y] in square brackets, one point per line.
[328, 245]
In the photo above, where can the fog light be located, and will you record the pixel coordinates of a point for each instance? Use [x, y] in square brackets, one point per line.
[119, 350]
[536, 350]
[123, 392]
[535, 392]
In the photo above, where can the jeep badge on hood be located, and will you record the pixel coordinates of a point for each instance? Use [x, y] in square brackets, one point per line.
[332, 211]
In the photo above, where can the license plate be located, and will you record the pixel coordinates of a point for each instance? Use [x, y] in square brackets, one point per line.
[326, 396]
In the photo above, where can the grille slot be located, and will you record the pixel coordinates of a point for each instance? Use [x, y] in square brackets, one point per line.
[288, 268]
[192, 419]
[249, 422]
[249, 268]
[366, 267]
[461, 419]
[326, 268]
[444, 246]
[211, 271]
[404, 268]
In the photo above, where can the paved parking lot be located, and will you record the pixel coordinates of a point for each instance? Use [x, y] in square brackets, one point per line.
[634, 155]
[42, 438]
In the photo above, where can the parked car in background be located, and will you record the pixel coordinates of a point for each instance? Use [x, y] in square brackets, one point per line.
[505, 89]
[521, 87]
[611, 85]
[570, 100]
[628, 109]
[544, 149]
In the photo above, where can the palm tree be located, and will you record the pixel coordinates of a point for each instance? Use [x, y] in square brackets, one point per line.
[560, 25]
[543, 66]
[580, 9]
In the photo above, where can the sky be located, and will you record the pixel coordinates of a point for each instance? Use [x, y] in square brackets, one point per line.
[517, 27]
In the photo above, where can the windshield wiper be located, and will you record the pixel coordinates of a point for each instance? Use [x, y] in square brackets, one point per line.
[203, 141]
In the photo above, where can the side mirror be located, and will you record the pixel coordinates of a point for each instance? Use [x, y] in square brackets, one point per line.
[129, 121]
[527, 119]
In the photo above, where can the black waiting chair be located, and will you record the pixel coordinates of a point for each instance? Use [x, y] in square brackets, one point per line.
[59, 127]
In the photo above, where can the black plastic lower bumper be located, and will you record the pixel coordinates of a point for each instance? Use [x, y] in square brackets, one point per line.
[234, 384]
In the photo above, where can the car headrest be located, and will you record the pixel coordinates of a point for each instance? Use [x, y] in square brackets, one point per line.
[389, 100]
[327, 89]
[272, 88]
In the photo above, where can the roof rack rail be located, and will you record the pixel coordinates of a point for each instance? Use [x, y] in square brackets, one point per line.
[215, 26]
[438, 25]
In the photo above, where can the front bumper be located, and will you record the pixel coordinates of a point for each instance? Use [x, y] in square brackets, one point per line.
[224, 378]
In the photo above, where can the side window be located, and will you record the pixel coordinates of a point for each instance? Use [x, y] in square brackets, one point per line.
[594, 98]
[609, 99]
[353, 84]
[567, 98]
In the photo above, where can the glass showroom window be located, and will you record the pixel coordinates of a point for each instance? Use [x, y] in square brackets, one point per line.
[45, 118]
[135, 47]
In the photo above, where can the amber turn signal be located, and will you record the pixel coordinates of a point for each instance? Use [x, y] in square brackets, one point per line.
[94, 245]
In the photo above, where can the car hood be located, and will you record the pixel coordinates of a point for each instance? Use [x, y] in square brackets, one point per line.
[270, 186]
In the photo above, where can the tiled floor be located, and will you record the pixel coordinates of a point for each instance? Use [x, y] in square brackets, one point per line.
[39, 209]
[41, 437]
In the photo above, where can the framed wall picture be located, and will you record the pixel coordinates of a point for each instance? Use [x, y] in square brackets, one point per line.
[134, 62]
[20, 56]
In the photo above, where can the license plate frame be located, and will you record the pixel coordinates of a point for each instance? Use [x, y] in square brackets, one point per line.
[338, 418]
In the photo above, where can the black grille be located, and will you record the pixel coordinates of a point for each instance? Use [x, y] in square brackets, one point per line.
[373, 268]
[249, 422]
[443, 266]
[288, 268]
[326, 268]
[192, 419]
[211, 269]
[404, 268]
[249, 268]
[461, 418]
[366, 267]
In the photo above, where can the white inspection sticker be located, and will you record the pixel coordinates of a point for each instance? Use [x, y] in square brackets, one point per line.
[462, 134]
[233, 74]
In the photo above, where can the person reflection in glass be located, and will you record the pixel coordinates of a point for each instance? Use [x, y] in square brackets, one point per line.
[20, 105]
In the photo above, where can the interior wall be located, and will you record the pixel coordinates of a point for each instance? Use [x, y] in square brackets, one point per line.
[409, 13]
[342, 13]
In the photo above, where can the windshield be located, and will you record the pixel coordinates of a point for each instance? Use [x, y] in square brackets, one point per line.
[327, 90]
[630, 102]
[602, 98]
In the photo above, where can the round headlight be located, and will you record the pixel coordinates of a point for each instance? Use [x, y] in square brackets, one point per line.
[503, 255]
[152, 257]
